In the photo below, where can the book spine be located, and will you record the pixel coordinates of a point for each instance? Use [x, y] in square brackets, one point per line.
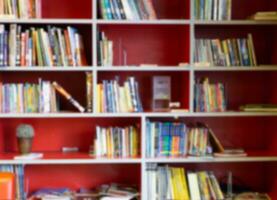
[121, 9]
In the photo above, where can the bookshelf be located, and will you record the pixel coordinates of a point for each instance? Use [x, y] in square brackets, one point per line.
[166, 41]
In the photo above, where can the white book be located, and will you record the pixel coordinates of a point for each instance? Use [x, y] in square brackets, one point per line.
[30, 156]
[71, 33]
[193, 186]
[215, 9]
[62, 50]
[127, 10]
[46, 91]
[12, 45]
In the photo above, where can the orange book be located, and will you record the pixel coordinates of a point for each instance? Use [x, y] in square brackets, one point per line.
[7, 185]
[68, 47]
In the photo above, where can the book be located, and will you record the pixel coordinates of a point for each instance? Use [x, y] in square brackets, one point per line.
[231, 153]
[105, 50]
[65, 94]
[264, 15]
[193, 186]
[259, 108]
[89, 91]
[30, 156]
[7, 185]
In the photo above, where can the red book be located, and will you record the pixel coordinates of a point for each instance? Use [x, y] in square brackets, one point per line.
[7, 181]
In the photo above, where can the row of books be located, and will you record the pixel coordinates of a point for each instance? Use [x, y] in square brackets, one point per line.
[111, 97]
[209, 97]
[127, 9]
[104, 50]
[165, 182]
[16, 172]
[229, 52]
[33, 98]
[38, 47]
[25, 9]
[176, 139]
[28, 98]
[213, 9]
[116, 142]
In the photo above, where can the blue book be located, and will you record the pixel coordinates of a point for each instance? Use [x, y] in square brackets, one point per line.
[108, 9]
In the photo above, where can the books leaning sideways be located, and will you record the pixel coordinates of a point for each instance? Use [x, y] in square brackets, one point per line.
[213, 9]
[33, 97]
[209, 97]
[270, 15]
[113, 98]
[24, 9]
[165, 182]
[28, 47]
[259, 108]
[227, 52]
[127, 9]
[116, 142]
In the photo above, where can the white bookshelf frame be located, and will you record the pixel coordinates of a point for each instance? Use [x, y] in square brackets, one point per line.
[94, 23]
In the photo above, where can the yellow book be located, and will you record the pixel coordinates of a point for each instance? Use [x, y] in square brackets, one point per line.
[99, 99]
[185, 192]
[128, 97]
[204, 185]
[173, 183]
[135, 142]
[226, 52]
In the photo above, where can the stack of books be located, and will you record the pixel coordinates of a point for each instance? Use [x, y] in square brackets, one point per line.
[209, 97]
[105, 50]
[228, 52]
[164, 182]
[126, 9]
[38, 47]
[33, 98]
[25, 9]
[116, 142]
[259, 108]
[113, 98]
[18, 171]
[213, 9]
